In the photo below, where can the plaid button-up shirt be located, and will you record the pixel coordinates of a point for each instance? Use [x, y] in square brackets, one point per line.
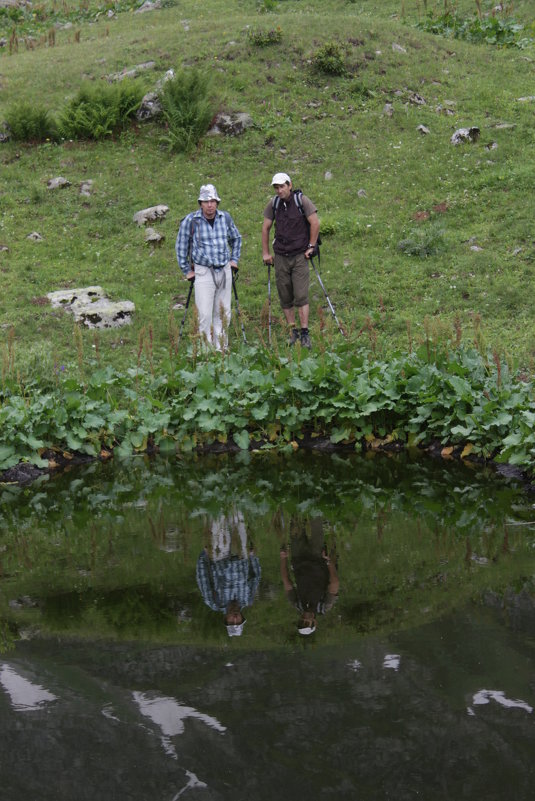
[199, 242]
[228, 579]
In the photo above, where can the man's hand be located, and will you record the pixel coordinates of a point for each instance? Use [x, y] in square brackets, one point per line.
[268, 259]
[234, 268]
[190, 276]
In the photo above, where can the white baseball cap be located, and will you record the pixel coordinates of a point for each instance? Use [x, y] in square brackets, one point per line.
[281, 178]
[208, 192]
[236, 629]
[306, 630]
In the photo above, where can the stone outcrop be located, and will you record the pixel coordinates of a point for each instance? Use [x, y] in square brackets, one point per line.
[92, 308]
[152, 213]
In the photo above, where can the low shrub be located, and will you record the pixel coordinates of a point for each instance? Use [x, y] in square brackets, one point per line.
[424, 242]
[30, 123]
[187, 109]
[99, 110]
[265, 38]
[330, 59]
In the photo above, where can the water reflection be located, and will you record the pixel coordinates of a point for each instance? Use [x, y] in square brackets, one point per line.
[228, 571]
[414, 583]
[314, 589]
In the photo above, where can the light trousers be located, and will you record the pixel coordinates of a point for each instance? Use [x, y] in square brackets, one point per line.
[213, 292]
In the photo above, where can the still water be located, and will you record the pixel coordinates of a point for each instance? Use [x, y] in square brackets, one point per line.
[119, 680]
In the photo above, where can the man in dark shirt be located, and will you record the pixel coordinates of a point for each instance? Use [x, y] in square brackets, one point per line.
[296, 239]
[314, 572]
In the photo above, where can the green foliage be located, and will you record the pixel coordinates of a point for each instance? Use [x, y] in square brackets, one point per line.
[491, 30]
[330, 59]
[263, 38]
[100, 110]
[258, 400]
[424, 242]
[30, 123]
[187, 109]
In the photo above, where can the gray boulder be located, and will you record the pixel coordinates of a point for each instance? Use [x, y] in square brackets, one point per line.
[232, 124]
[90, 307]
[153, 213]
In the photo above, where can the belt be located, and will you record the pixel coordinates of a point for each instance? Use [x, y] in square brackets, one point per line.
[213, 266]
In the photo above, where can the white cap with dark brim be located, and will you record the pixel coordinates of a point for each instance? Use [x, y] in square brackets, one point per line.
[280, 178]
[236, 630]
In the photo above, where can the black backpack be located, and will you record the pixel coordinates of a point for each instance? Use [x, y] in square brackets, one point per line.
[298, 197]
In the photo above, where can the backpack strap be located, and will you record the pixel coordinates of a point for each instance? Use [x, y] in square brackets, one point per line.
[298, 195]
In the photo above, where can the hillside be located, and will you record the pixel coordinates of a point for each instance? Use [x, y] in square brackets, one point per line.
[351, 141]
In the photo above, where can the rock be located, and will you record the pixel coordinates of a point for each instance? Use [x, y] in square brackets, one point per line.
[232, 124]
[153, 213]
[416, 99]
[388, 109]
[92, 308]
[148, 5]
[328, 175]
[465, 135]
[35, 236]
[150, 107]
[423, 130]
[362, 193]
[58, 183]
[152, 237]
[527, 99]
[86, 188]
[3, 248]
[397, 48]
[131, 72]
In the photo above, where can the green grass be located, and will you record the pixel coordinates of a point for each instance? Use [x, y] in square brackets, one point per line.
[306, 123]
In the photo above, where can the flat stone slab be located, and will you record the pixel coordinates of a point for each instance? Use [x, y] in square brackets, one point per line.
[91, 307]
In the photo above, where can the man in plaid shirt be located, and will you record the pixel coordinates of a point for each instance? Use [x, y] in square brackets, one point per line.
[208, 247]
[228, 573]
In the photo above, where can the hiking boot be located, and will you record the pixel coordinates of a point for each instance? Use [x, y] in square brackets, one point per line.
[305, 340]
[294, 336]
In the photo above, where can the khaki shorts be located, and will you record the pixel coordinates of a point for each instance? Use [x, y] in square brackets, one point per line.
[292, 274]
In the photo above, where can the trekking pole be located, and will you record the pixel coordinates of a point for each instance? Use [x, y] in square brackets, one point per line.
[269, 303]
[185, 313]
[238, 307]
[331, 307]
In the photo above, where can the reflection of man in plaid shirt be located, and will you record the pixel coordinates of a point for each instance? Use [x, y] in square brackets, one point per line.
[228, 578]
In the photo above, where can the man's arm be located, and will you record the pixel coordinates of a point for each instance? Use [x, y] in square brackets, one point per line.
[286, 583]
[266, 227]
[183, 247]
[314, 222]
[234, 240]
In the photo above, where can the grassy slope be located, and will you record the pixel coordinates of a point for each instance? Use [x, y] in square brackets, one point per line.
[306, 124]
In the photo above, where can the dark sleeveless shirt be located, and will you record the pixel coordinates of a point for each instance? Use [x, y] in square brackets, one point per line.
[291, 230]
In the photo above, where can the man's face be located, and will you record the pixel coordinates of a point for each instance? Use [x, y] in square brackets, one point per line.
[283, 190]
[233, 618]
[209, 208]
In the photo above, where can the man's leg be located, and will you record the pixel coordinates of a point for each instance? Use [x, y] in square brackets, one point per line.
[204, 300]
[303, 315]
[221, 306]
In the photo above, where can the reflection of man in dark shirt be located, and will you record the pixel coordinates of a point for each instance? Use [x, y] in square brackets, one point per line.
[314, 572]
[228, 573]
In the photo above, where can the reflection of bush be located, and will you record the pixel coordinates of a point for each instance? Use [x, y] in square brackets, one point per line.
[135, 608]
